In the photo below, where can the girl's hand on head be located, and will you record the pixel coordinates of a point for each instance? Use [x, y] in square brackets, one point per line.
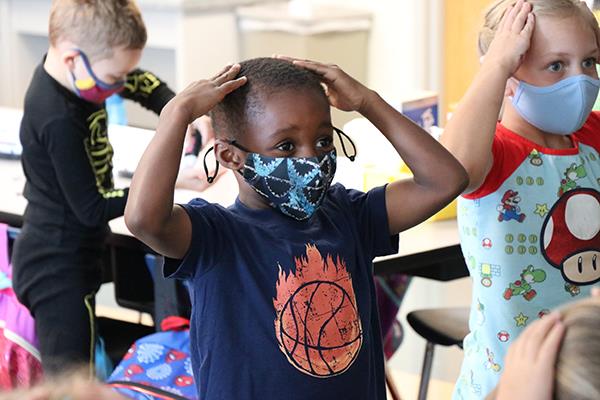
[201, 96]
[529, 364]
[512, 39]
[344, 92]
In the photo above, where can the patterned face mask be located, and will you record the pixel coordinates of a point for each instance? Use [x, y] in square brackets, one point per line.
[93, 89]
[296, 186]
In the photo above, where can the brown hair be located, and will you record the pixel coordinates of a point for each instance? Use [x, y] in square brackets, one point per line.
[578, 362]
[493, 16]
[97, 26]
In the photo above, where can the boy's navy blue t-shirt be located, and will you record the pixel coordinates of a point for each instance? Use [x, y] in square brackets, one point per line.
[286, 309]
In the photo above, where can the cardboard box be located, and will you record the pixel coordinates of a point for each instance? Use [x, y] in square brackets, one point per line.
[423, 109]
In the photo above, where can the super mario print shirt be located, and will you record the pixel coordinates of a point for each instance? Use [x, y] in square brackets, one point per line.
[531, 239]
[285, 309]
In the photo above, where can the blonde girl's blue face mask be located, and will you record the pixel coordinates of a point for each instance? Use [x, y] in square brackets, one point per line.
[561, 108]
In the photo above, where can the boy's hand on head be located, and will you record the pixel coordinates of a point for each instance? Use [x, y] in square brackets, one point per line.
[201, 96]
[512, 39]
[529, 364]
[344, 92]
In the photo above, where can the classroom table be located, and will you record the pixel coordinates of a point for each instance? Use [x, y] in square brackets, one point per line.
[429, 250]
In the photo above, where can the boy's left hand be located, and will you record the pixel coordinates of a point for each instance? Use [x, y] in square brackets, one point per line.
[344, 92]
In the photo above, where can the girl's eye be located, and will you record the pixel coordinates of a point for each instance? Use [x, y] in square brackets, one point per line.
[285, 146]
[556, 66]
[325, 142]
[589, 63]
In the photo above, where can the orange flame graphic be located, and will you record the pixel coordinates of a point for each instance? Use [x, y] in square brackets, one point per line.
[317, 324]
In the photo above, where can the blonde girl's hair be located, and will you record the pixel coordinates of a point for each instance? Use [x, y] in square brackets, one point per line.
[97, 26]
[559, 8]
[578, 362]
[74, 384]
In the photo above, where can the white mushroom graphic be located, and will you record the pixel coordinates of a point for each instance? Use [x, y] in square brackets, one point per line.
[571, 236]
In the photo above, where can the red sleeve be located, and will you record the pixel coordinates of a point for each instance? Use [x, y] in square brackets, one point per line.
[508, 152]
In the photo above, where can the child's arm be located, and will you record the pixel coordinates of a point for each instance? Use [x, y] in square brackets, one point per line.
[528, 367]
[438, 177]
[470, 132]
[147, 89]
[150, 213]
[91, 198]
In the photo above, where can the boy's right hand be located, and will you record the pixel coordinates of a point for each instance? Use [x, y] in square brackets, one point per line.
[201, 96]
[343, 91]
[512, 39]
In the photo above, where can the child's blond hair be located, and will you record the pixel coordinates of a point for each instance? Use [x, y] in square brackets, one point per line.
[559, 8]
[578, 362]
[97, 26]
[74, 384]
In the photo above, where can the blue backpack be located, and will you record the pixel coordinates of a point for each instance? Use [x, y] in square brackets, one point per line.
[158, 366]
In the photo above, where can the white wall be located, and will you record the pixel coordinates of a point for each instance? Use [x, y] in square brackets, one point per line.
[405, 47]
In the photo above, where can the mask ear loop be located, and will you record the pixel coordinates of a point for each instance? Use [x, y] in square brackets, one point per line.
[210, 179]
[98, 81]
[341, 136]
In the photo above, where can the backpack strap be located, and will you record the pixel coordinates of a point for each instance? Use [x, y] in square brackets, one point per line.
[174, 323]
[146, 389]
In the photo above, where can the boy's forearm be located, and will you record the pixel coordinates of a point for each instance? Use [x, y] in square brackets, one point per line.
[150, 202]
[148, 90]
[419, 150]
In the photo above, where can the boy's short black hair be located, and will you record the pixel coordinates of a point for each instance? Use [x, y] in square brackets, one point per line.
[265, 77]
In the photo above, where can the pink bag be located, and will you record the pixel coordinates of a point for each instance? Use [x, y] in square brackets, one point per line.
[20, 364]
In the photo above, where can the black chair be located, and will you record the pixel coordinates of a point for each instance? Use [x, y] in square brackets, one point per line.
[442, 326]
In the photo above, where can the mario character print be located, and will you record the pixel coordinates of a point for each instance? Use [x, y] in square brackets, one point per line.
[523, 287]
[509, 207]
[572, 175]
[570, 237]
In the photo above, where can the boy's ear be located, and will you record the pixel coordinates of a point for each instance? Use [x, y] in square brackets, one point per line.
[228, 155]
[68, 58]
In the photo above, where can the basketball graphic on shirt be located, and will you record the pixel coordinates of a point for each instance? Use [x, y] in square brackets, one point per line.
[317, 324]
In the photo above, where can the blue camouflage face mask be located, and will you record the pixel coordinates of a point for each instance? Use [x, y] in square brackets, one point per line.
[296, 186]
[561, 108]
